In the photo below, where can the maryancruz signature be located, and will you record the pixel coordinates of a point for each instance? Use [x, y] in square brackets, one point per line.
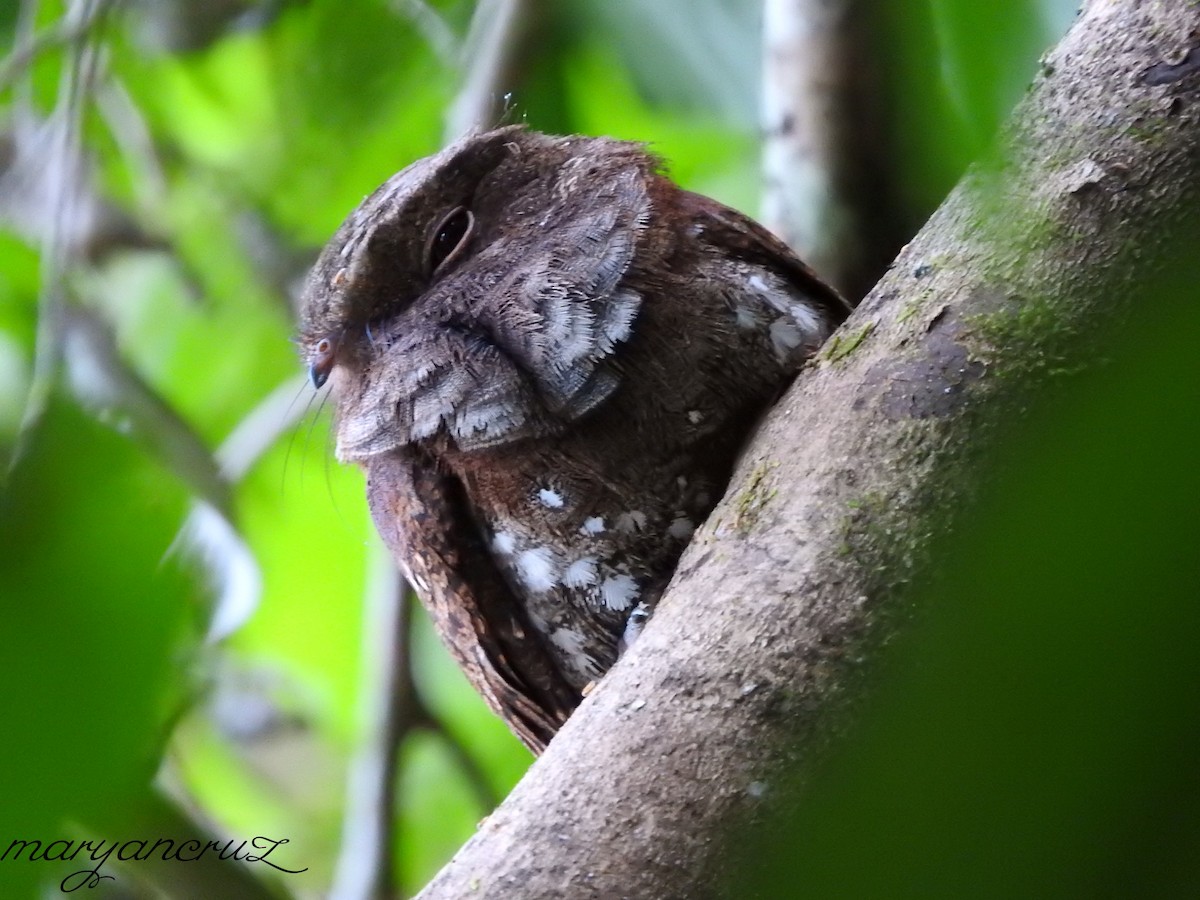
[137, 850]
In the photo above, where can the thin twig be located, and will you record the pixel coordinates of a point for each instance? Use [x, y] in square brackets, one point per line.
[481, 786]
[273, 416]
[129, 131]
[432, 27]
[365, 865]
[67, 30]
[103, 382]
[824, 163]
[490, 55]
[23, 33]
[66, 157]
[209, 532]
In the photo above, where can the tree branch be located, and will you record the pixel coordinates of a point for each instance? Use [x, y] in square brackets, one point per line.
[366, 860]
[70, 29]
[825, 171]
[491, 56]
[798, 573]
[76, 81]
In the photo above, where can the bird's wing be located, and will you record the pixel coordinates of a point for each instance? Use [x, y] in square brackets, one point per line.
[741, 237]
[423, 518]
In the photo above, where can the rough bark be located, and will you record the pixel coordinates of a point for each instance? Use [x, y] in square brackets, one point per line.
[771, 621]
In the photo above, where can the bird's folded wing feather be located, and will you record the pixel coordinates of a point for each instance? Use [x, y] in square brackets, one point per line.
[422, 517]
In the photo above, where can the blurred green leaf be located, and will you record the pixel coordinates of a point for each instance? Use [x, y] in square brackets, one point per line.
[954, 71]
[94, 616]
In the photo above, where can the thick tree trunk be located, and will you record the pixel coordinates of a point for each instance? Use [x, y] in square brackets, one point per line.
[761, 642]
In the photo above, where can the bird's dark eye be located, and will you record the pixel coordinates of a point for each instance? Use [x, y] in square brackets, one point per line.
[448, 239]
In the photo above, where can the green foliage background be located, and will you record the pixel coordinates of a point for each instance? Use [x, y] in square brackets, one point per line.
[241, 145]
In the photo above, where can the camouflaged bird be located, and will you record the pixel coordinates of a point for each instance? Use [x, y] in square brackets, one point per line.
[546, 357]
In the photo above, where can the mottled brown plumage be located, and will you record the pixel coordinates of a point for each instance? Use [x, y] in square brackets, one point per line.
[546, 357]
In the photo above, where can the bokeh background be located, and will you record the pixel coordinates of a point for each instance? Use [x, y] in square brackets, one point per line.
[192, 595]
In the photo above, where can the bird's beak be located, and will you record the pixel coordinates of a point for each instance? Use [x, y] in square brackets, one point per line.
[318, 373]
[321, 361]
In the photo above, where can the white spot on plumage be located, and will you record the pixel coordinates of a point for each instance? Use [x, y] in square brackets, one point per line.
[633, 627]
[581, 573]
[807, 318]
[786, 336]
[592, 525]
[571, 642]
[747, 318]
[535, 567]
[695, 416]
[538, 621]
[574, 647]
[550, 499]
[756, 283]
[630, 522]
[681, 528]
[503, 543]
[619, 591]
